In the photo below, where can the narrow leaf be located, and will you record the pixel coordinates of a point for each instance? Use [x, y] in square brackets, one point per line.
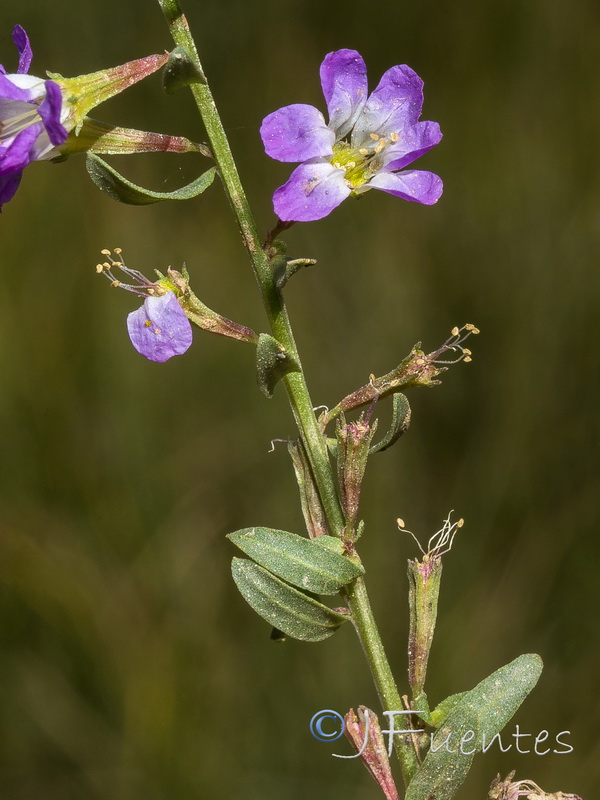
[305, 563]
[119, 188]
[285, 608]
[470, 726]
[398, 426]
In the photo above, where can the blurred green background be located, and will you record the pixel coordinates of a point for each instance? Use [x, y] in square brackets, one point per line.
[130, 667]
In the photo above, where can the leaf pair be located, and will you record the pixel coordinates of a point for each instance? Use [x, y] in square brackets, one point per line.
[285, 569]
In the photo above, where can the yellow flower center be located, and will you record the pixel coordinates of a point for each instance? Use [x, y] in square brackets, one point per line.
[360, 165]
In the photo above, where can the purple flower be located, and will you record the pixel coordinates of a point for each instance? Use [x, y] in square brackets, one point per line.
[365, 145]
[31, 119]
[160, 329]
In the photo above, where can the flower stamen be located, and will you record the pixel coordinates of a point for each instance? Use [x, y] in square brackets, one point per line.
[441, 542]
[143, 286]
[454, 343]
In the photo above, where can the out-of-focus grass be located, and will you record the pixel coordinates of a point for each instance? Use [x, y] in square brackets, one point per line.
[130, 668]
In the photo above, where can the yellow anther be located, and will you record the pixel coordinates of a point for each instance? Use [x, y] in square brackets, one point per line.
[400, 522]
[374, 136]
[118, 251]
[115, 283]
[466, 359]
[466, 351]
[454, 331]
[363, 151]
[99, 268]
[394, 137]
[105, 252]
[147, 323]
[460, 523]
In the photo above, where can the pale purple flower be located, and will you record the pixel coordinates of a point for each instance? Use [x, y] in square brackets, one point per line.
[160, 329]
[31, 119]
[365, 145]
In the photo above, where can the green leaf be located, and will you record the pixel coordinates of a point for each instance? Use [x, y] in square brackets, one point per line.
[181, 70]
[306, 563]
[285, 608]
[119, 188]
[476, 717]
[272, 363]
[399, 424]
[332, 543]
[441, 711]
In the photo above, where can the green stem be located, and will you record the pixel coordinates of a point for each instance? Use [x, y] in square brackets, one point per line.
[368, 633]
[295, 383]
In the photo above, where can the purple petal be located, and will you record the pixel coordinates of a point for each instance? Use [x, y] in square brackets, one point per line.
[160, 329]
[10, 91]
[18, 154]
[414, 185]
[8, 186]
[344, 82]
[49, 110]
[21, 41]
[296, 133]
[395, 104]
[312, 192]
[413, 143]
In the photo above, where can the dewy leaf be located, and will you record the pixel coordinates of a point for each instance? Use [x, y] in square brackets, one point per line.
[119, 188]
[272, 363]
[399, 424]
[470, 727]
[285, 608]
[299, 561]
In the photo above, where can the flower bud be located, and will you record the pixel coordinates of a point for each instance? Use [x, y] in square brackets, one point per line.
[354, 440]
[374, 752]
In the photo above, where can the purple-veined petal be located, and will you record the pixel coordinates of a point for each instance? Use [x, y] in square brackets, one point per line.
[8, 186]
[296, 133]
[17, 155]
[312, 192]
[21, 41]
[344, 81]
[415, 185]
[160, 329]
[413, 143]
[50, 110]
[395, 104]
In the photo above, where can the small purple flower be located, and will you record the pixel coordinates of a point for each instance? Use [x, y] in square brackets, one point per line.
[160, 329]
[365, 145]
[31, 119]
